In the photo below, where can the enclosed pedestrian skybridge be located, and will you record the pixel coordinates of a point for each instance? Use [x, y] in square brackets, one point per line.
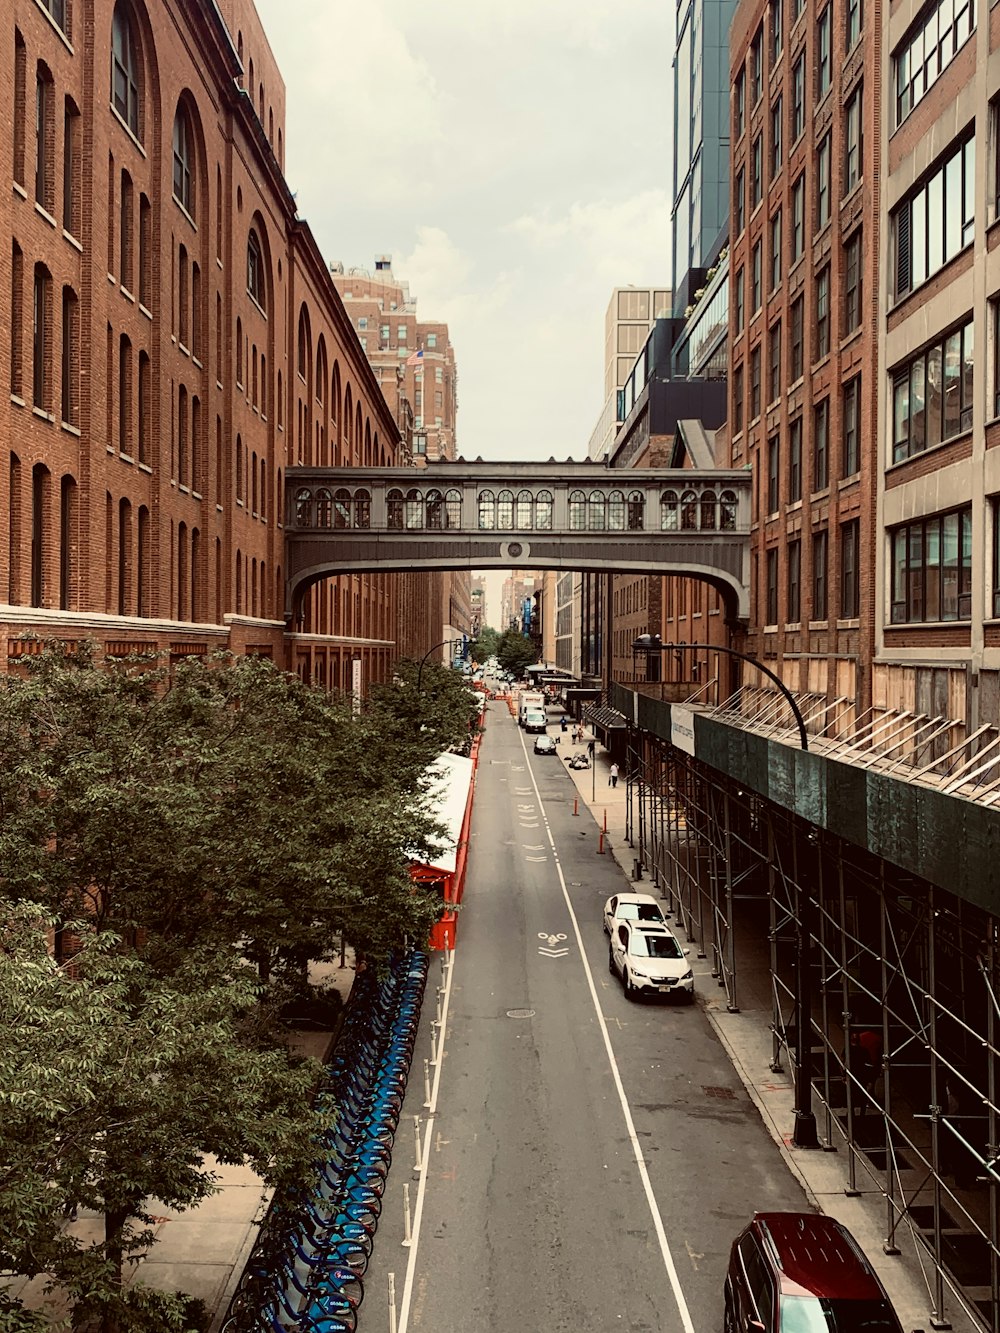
[562, 516]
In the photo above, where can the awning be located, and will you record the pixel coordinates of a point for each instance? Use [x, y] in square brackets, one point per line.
[605, 717]
[447, 795]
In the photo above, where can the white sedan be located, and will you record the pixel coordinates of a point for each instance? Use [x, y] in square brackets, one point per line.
[649, 961]
[632, 907]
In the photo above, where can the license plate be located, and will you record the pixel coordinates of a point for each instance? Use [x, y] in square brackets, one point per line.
[666, 985]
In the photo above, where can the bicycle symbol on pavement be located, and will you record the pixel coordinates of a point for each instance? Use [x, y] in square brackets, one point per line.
[553, 942]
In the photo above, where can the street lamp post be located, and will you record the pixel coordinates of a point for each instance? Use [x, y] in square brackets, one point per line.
[804, 1133]
[444, 643]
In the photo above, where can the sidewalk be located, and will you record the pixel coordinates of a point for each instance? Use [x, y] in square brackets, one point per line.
[747, 1039]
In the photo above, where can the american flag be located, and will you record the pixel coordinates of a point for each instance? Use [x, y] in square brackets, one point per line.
[416, 358]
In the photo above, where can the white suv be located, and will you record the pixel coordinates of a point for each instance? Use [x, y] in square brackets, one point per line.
[649, 961]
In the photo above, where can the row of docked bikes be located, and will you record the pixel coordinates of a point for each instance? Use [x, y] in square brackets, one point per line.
[306, 1271]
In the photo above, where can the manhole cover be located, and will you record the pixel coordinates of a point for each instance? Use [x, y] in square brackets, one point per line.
[520, 1013]
[724, 1094]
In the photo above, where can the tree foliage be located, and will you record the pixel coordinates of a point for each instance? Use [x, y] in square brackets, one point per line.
[515, 652]
[484, 645]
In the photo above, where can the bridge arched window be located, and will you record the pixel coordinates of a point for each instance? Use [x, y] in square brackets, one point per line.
[435, 510]
[668, 511]
[577, 511]
[522, 512]
[727, 511]
[597, 511]
[616, 511]
[708, 516]
[453, 509]
[303, 508]
[414, 509]
[487, 510]
[689, 510]
[394, 509]
[505, 510]
[342, 508]
[324, 509]
[543, 511]
[362, 509]
[636, 508]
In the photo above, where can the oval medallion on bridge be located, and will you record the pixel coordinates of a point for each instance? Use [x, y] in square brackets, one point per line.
[514, 550]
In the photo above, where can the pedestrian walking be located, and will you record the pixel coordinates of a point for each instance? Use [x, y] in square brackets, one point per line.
[562, 722]
[613, 775]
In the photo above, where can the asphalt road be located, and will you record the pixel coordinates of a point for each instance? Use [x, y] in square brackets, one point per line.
[589, 1160]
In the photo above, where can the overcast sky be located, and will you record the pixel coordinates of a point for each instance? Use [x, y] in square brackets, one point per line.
[513, 160]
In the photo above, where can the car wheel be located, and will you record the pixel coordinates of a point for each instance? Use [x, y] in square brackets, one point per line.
[629, 988]
[689, 997]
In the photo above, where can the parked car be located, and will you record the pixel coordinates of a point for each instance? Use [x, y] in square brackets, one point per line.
[650, 961]
[632, 907]
[545, 745]
[803, 1273]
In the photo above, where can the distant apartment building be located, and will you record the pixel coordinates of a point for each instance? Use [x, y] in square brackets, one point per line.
[628, 318]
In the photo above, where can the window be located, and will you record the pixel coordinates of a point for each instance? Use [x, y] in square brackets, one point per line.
[184, 161]
[757, 66]
[799, 97]
[823, 312]
[819, 554]
[432, 340]
[755, 383]
[145, 254]
[739, 201]
[824, 62]
[126, 270]
[739, 104]
[16, 320]
[255, 270]
[771, 611]
[71, 168]
[145, 407]
[795, 357]
[738, 300]
[124, 395]
[852, 283]
[776, 250]
[937, 220]
[850, 585]
[995, 508]
[773, 474]
[774, 362]
[125, 70]
[69, 378]
[44, 143]
[798, 217]
[777, 30]
[67, 528]
[851, 453]
[20, 106]
[821, 445]
[757, 172]
[738, 399]
[41, 341]
[756, 261]
[853, 141]
[795, 460]
[823, 156]
[793, 610]
[927, 50]
[57, 9]
[777, 116]
[932, 568]
[39, 531]
[854, 14]
[932, 395]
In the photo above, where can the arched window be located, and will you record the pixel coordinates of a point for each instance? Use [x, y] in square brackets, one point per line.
[362, 509]
[577, 511]
[487, 510]
[597, 517]
[668, 511]
[302, 359]
[522, 511]
[543, 511]
[689, 510]
[125, 70]
[453, 509]
[636, 506]
[342, 508]
[727, 511]
[325, 512]
[616, 511]
[184, 161]
[255, 270]
[708, 519]
[505, 511]
[239, 352]
[239, 468]
[394, 509]
[435, 510]
[414, 508]
[303, 507]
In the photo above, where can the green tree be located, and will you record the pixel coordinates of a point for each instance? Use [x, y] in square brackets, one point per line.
[515, 652]
[484, 645]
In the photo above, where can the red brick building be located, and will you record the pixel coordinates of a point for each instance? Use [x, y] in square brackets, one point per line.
[172, 340]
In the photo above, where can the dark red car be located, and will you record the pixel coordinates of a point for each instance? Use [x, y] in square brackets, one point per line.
[803, 1273]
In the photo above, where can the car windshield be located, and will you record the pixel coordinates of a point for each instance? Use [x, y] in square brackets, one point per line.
[655, 946]
[813, 1314]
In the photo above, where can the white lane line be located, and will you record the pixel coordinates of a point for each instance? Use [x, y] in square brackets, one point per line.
[640, 1161]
